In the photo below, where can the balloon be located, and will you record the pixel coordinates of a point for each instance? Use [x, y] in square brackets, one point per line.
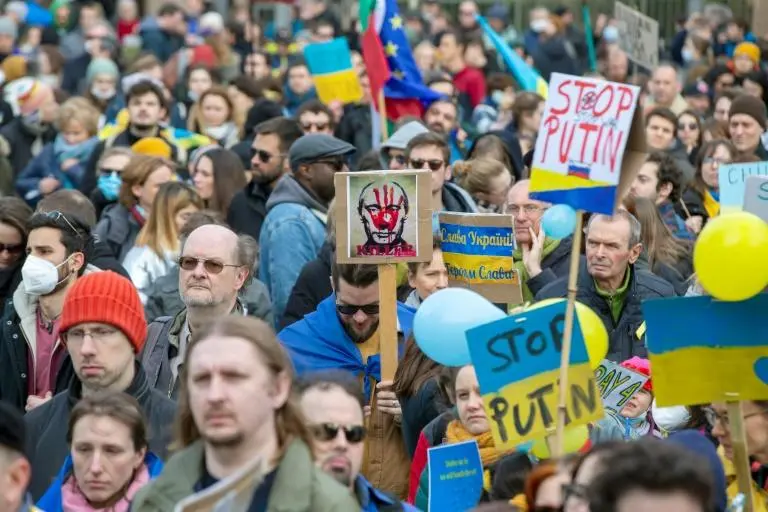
[592, 329]
[559, 221]
[574, 438]
[730, 256]
[444, 317]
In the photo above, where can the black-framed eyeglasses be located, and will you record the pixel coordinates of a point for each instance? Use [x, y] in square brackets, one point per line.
[264, 156]
[713, 417]
[11, 248]
[190, 263]
[329, 431]
[57, 215]
[690, 126]
[351, 309]
[433, 165]
[335, 165]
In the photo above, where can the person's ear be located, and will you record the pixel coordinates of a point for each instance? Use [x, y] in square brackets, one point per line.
[241, 276]
[448, 172]
[281, 390]
[634, 253]
[136, 191]
[77, 261]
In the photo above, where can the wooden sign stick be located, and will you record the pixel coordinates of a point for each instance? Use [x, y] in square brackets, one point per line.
[388, 319]
[565, 354]
[382, 105]
[740, 454]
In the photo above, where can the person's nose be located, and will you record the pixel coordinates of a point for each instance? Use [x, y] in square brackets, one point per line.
[88, 346]
[95, 467]
[442, 281]
[216, 389]
[340, 443]
[199, 271]
[359, 316]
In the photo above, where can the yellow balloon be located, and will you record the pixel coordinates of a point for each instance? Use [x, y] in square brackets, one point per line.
[730, 256]
[592, 329]
[574, 439]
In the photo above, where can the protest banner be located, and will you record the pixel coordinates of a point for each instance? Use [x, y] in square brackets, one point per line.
[732, 179]
[455, 476]
[639, 36]
[477, 251]
[384, 218]
[231, 494]
[332, 72]
[590, 145]
[756, 196]
[617, 384]
[517, 361]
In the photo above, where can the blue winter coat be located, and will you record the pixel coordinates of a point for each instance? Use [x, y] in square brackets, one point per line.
[51, 500]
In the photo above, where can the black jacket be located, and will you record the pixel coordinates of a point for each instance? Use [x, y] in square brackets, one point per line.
[555, 55]
[99, 254]
[554, 266]
[624, 341]
[355, 128]
[20, 142]
[312, 286]
[418, 411]
[117, 229]
[248, 209]
[47, 428]
[75, 70]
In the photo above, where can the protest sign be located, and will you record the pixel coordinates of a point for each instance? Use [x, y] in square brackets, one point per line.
[704, 350]
[732, 180]
[517, 361]
[590, 145]
[477, 251]
[617, 384]
[455, 476]
[331, 67]
[756, 196]
[639, 36]
[231, 494]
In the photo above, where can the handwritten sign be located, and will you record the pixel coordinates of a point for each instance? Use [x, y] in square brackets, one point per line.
[756, 196]
[704, 350]
[517, 361]
[639, 36]
[732, 179]
[455, 476]
[590, 145]
[477, 251]
[617, 384]
[331, 67]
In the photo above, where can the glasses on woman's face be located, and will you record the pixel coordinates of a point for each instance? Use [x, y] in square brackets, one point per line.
[687, 126]
[713, 417]
[710, 160]
[434, 165]
[11, 248]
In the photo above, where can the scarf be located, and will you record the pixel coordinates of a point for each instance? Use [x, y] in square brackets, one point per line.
[73, 499]
[80, 152]
[139, 214]
[456, 433]
[550, 245]
[711, 203]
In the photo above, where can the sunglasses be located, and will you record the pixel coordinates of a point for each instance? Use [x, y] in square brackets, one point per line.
[11, 248]
[111, 172]
[350, 309]
[329, 431]
[335, 165]
[317, 126]
[57, 215]
[434, 165]
[690, 126]
[189, 263]
[400, 159]
[264, 156]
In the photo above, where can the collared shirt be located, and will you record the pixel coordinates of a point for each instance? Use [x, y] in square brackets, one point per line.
[616, 299]
[372, 500]
[674, 222]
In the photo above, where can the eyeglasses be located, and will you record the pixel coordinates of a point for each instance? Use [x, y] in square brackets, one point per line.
[351, 309]
[434, 165]
[713, 417]
[317, 126]
[400, 159]
[11, 248]
[335, 165]
[189, 264]
[96, 334]
[690, 126]
[264, 156]
[57, 215]
[529, 209]
[329, 431]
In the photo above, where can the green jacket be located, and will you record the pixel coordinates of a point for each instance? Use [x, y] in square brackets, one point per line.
[299, 485]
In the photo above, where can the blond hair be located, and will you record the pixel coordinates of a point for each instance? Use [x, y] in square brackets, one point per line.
[475, 175]
[160, 233]
[138, 170]
[81, 110]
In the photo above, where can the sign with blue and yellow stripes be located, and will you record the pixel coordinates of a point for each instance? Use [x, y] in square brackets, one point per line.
[331, 67]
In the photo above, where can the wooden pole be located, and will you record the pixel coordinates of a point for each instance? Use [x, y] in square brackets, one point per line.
[388, 320]
[382, 104]
[565, 355]
[740, 454]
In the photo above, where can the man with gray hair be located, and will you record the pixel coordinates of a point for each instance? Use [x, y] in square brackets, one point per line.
[611, 285]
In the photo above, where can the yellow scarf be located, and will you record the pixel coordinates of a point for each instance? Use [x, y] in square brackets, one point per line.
[711, 205]
[456, 433]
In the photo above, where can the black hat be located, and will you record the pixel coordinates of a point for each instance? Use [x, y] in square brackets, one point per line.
[12, 431]
[697, 88]
[316, 146]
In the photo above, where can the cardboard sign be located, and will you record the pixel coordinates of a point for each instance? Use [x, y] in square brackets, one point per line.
[617, 385]
[331, 67]
[756, 196]
[590, 145]
[383, 216]
[639, 36]
[477, 251]
[455, 476]
[704, 350]
[517, 361]
[232, 494]
[732, 179]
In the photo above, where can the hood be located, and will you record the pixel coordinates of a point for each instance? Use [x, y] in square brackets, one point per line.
[289, 190]
[401, 138]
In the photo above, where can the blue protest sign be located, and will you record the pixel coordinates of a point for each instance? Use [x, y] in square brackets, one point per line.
[455, 477]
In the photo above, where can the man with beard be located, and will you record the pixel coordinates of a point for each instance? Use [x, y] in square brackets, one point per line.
[269, 162]
[213, 267]
[333, 408]
[294, 229]
[342, 334]
[442, 117]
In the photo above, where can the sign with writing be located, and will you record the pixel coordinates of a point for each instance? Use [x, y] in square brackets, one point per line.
[732, 179]
[756, 196]
[704, 350]
[455, 476]
[331, 67]
[517, 361]
[590, 145]
[617, 384]
[233, 494]
[477, 251]
[639, 36]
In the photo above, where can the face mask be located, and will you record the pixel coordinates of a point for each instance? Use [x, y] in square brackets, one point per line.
[40, 276]
[109, 184]
[33, 123]
[102, 95]
[687, 55]
[539, 25]
[497, 97]
[610, 34]
[193, 96]
[219, 132]
[670, 419]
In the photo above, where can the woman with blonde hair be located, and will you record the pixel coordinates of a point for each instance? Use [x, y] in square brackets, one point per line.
[214, 115]
[157, 244]
[486, 180]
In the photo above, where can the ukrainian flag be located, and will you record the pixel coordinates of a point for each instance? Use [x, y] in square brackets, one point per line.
[331, 67]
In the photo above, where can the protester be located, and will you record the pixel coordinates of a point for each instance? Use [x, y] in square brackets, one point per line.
[15, 468]
[14, 230]
[393, 149]
[661, 135]
[701, 199]
[689, 131]
[427, 278]
[747, 121]
[315, 117]
[109, 172]
[486, 180]
[214, 115]
[218, 175]
[665, 90]
[468, 80]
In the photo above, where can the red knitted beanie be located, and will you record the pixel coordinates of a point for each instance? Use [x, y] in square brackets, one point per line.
[107, 298]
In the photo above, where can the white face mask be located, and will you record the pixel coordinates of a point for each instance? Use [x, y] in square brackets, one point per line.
[103, 95]
[670, 419]
[219, 132]
[40, 276]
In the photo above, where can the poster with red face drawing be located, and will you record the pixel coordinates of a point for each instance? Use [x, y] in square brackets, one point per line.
[383, 217]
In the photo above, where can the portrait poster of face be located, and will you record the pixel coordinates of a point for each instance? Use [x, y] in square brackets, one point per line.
[383, 217]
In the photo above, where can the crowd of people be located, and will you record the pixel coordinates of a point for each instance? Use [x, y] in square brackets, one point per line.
[171, 305]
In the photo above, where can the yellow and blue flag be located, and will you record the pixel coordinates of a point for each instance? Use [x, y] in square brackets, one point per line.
[331, 66]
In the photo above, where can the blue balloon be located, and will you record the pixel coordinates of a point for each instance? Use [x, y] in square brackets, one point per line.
[559, 221]
[444, 317]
